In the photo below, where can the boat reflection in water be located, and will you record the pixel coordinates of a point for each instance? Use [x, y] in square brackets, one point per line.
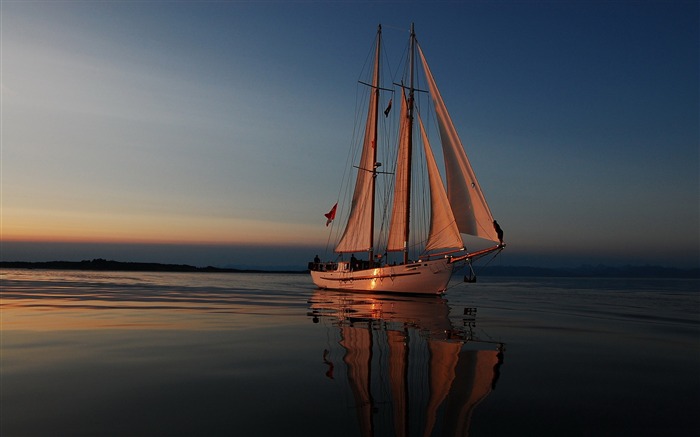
[410, 370]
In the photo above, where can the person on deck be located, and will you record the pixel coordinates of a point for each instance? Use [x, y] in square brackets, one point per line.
[499, 231]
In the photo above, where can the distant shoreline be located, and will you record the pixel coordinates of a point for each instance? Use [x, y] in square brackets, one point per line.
[120, 266]
[585, 271]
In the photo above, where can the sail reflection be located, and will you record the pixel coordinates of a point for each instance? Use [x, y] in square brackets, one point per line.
[410, 370]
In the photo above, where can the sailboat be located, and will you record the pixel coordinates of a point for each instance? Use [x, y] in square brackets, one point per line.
[459, 209]
[410, 369]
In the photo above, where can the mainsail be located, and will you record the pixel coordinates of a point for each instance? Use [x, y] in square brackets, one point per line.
[397, 228]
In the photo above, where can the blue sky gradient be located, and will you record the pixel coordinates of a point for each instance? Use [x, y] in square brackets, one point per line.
[224, 125]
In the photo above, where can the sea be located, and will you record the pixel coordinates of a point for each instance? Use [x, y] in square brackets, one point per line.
[267, 354]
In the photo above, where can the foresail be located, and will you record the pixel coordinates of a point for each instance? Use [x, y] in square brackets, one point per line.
[443, 232]
[464, 193]
[357, 236]
[358, 231]
[397, 229]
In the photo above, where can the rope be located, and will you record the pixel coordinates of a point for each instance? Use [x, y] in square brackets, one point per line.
[493, 257]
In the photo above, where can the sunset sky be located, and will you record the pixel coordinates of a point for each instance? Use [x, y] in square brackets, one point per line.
[191, 132]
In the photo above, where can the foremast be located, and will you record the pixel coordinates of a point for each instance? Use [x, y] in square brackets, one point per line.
[359, 231]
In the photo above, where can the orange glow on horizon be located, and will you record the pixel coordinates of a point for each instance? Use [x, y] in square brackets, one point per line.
[67, 227]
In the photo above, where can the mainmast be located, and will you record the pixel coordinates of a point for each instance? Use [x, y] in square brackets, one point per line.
[410, 145]
[375, 82]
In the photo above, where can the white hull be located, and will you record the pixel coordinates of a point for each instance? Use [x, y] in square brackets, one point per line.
[425, 277]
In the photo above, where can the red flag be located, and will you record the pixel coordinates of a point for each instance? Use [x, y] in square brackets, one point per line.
[331, 214]
[388, 108]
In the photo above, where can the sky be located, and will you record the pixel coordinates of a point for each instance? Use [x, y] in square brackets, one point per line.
[213, 133]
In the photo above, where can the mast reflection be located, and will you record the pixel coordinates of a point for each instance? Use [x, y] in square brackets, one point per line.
[410, 370]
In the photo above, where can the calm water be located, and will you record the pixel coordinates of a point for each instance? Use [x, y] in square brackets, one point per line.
[88, 353]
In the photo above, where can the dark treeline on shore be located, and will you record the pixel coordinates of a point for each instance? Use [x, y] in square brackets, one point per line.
[523, 271]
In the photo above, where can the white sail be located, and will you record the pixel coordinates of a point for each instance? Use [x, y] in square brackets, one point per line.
[398, 224]
[468, 203]
[359, 229]
[443, 228]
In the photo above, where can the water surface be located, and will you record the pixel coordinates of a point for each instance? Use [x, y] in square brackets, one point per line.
[116, 353]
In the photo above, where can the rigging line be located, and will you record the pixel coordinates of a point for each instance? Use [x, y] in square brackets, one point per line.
[388, 71]
[328, 241]
[493, 257]
[369, 59]
[346, 179]
[472, 267]
[403, 73]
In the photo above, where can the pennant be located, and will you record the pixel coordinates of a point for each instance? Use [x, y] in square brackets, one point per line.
[331, 214]
[388, 109]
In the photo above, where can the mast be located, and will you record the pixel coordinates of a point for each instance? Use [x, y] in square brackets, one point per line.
[410, 146]
[374, 142]
[359, 229]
